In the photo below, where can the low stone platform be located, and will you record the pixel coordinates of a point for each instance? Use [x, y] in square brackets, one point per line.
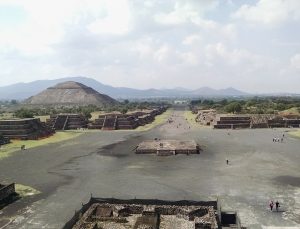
[152, 214]
[167, 147]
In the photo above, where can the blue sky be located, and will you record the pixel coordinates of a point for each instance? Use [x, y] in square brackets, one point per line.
[250, 45]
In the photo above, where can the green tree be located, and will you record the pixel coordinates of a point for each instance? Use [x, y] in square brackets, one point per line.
[234, 107]
[24, 113]
[124, 110]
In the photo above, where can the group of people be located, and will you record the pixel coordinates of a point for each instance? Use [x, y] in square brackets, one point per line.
[278, 139]
[277, 205]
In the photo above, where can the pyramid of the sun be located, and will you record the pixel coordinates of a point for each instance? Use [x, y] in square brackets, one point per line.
[70, 93]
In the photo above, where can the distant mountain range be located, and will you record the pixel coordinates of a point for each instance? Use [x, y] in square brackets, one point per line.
[21, 91]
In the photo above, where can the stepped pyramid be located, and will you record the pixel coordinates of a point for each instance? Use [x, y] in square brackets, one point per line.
[70, 93]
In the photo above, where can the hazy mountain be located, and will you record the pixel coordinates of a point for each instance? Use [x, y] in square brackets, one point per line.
[21, 91]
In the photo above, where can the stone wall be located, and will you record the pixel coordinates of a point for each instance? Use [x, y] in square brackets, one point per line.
[6, 191]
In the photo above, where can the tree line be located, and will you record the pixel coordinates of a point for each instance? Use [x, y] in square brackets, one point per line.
[255, 105]
[122, 107]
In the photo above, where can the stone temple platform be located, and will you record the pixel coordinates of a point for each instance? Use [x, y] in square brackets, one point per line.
[152, 214]
[167, 147]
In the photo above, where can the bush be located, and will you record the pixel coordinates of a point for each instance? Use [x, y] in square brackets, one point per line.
[233, 107]
[24, 113]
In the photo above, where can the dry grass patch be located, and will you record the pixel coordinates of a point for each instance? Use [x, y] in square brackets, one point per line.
[24, 191]
[15, 145]
[6, 116]
[191, 118]
[295, 133]
[159, 119]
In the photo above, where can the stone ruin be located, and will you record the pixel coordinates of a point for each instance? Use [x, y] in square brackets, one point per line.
[167, 147]
[67, 121]
[101, 213]
[6, 193]
[4, 140]
[24, 129]
[224, 121]
[115, 121]
[232, 122]
[206, 117]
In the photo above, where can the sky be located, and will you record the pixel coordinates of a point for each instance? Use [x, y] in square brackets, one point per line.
[250, 45]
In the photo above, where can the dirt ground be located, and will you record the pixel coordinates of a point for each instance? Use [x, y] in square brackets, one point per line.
[104, 164]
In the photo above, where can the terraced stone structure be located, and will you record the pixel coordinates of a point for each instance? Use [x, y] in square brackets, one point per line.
[167, 147]
[232, 122]
[151, 214]
[4, 140]
[25, 129]
[283, 122]
[223, 121]
[67, 121]
[71, 93]
[116, 121]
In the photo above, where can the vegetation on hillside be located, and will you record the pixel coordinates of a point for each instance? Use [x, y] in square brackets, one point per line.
[255, 105]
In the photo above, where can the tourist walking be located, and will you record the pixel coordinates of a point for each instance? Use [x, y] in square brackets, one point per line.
[277, 205]
[271, 205]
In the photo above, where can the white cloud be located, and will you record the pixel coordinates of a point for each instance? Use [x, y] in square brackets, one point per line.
[218, 54]
[117, 20]
[45, 22]
[269, 12]
[192, 39]
[164, 54]
[134, 43]
[190, 58]
[295, 61]
[188, 11]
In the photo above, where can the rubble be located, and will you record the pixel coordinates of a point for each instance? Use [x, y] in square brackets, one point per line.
[150, 214]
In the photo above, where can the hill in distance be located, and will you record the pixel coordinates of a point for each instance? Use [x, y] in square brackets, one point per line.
[70, 93]
[21, 91]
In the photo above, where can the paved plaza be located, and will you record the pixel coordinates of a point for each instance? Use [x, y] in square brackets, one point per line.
[104, 164]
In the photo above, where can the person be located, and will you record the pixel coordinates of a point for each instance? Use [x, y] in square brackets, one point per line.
[227, 161]
[283, 135]
[277, 205]
[271, 205]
